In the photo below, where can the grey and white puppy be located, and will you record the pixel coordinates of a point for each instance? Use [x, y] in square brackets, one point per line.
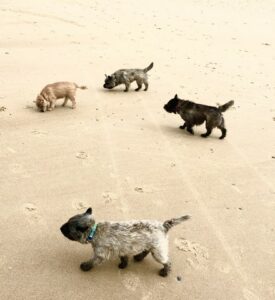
[121, 239]
[126, 76]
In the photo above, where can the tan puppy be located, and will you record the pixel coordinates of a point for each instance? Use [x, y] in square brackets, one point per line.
[47, 98]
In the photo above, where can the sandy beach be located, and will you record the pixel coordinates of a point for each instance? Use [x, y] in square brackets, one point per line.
[124, 156]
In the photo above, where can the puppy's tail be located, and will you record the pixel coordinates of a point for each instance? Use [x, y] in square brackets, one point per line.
[224, 107]
[172, 222]
[148, 68]
[82, 87]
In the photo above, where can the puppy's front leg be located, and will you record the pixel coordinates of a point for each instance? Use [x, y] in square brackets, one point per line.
[127, 85]
[88, 265]
[183, 126]
[52, 105]
[123, 262]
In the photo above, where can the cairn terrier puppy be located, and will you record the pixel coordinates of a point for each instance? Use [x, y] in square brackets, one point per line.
[195, 114]
[126, 76]
[47, 98]
[121, 239]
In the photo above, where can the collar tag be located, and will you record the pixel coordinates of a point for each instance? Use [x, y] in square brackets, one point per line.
[92, 233]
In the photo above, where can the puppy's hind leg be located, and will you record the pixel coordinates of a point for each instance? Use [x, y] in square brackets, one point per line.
[141, 256]
[223, 130]
[139, 84]
[161, 256]
[72, 98]
[65, 101]
[223, 133]
[123, 262]
[145, 81]
[208, 131]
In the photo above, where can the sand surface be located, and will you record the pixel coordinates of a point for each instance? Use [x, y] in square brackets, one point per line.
[122, 154]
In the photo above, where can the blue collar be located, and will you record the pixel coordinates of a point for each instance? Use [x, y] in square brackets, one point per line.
[92, 232]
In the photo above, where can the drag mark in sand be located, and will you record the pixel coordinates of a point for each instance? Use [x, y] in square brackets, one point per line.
[43, 16]
[202, 207]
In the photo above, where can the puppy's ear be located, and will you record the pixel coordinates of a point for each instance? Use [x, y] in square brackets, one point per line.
[176, 96]
[106, 75]
[89, 211]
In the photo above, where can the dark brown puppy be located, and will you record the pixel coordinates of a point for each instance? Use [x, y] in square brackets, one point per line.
[195, 114]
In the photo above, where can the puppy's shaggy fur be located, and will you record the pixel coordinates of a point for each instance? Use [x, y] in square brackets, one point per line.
[126, 76]
[195, 114]
[122, 239]
[47, 98]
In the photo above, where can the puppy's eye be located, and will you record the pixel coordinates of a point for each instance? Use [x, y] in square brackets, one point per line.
[82, 229]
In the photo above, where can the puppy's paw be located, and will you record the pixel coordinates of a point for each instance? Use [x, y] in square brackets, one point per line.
[163, 272]
[86, 266]
[191, 131]
[182, 127]
[123, 265]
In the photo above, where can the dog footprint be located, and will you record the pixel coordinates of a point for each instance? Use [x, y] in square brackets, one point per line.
[109, 197]
[80, 205]
[81, 155]
[200, 256]
[223, 267]
[16, 168]
[30, 211]
[130, 281]
[30, 207]
[139, 189]
[39, 132]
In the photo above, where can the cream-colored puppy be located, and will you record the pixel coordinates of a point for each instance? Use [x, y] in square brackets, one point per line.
[48, 96]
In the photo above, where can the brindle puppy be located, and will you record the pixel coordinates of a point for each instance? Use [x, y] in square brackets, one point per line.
[47, 98]
[121, 239]
[126, 76]
[195, 114]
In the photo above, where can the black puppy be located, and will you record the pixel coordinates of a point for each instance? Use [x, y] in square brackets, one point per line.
[195, 114]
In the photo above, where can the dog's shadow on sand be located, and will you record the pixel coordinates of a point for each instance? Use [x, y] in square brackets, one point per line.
[70, 262]
[182, 133]
[119, 91]
[31, 108]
